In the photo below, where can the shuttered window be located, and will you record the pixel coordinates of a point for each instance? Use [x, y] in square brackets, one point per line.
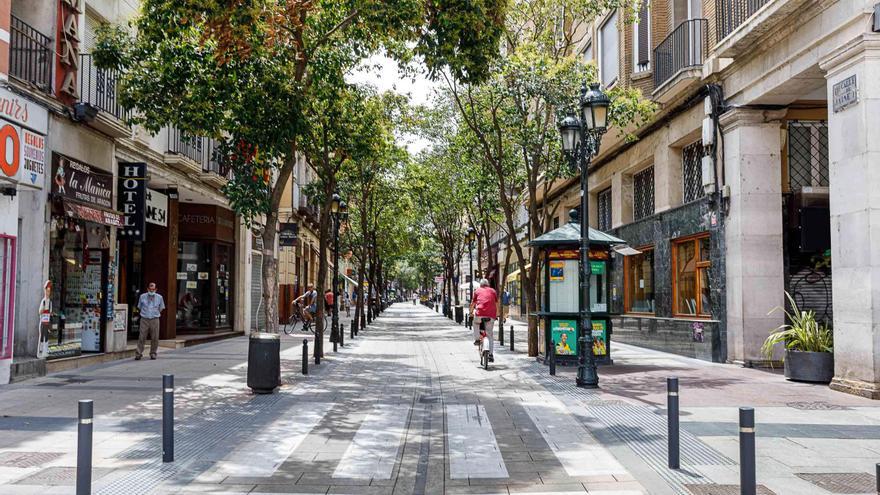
[609, 39]
[604, 203]
[642, 39]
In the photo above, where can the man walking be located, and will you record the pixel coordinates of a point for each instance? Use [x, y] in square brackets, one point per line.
[150, 306]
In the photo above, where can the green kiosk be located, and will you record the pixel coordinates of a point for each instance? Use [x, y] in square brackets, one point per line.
[559, 319]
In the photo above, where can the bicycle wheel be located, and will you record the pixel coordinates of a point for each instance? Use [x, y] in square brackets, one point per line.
[290, 327]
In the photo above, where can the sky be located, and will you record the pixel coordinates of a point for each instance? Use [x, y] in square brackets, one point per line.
[387, 77]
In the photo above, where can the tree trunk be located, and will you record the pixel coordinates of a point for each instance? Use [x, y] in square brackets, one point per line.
[270, 264]
[323, 243]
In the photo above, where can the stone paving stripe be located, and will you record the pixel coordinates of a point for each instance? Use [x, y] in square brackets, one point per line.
[473, 449]
[271, 446]
[578, 452]
[373, 451]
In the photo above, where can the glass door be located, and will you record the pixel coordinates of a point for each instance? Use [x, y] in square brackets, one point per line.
[223, 276]
[7, 294]
[194, 262]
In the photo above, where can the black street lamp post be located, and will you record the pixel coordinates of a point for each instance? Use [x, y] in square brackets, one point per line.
[339, 212]
[471, 235]
[580, 143]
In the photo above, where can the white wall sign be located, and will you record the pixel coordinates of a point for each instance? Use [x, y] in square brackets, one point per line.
[157, 208]
[22, 155]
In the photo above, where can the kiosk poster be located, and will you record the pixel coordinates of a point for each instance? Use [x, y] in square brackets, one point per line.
[564, 333]
[600, 338]
[557, 270]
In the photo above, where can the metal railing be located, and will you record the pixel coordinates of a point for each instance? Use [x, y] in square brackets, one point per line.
[213, 162]
[97, 87]
[181, 143]
[730, 14]
[685, 47]
[30, 55]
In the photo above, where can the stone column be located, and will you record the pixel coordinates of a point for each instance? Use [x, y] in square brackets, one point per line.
[854, 163]
[621, 199]
[667, 176]
[753, 234]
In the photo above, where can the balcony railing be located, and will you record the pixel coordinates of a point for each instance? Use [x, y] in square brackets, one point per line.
[98, 87]
[730, 14]
[181, 143]
[685, 47]
[30, 55]
[213, 162]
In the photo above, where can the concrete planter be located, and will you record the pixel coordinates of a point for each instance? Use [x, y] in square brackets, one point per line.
[813, 367]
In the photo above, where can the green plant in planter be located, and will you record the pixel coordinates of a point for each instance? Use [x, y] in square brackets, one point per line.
[804, 334]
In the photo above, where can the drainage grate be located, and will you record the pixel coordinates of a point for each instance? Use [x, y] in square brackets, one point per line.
[59, 476]
[27, 459]
[714, 489]
[841, 482]
[816, 406]
[429, 399]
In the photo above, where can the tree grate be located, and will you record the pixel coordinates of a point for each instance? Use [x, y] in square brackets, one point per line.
[841, 482]
[715, 489]
[27, 459]
[692, 171]
[807, 154]
[59, 476]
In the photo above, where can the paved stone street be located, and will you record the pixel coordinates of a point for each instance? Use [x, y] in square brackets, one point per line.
[405, 409]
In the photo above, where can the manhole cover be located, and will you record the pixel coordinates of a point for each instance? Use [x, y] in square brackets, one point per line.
[27, 459]
[429, 399]
[816, 406]
[713, 489]
[841, 482]
[59, 476]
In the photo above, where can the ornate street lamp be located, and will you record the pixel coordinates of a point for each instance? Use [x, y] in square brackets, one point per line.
[580, 143]
[336, 205]
[470, 237]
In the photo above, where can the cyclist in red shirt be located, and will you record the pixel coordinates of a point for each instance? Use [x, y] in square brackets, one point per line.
[485, 303]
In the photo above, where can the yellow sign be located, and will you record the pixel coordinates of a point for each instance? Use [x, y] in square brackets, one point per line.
[557, 270]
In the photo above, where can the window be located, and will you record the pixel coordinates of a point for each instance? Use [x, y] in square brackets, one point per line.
[643, 193]
[608, 51]
[604, 209]
[690, 279]
[692, 172]
[588, 53]
[555, 223]
[807, 154]
[638, 282]
[642, 40]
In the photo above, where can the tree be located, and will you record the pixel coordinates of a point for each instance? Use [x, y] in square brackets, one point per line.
[511, 117]
[253, 73]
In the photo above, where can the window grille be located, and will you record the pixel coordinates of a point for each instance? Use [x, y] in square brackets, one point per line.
[807, 154]
[604, 200]
[692, 173]
[643, 193]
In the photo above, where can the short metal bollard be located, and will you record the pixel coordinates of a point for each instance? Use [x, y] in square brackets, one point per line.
[747, 479]
[341, 335]
[672, 416]
[511, 337]
[305, 370]
[167, 418]
[351, 332]
[877, 476]
[552, 358]
[501, 335]
[84, 448]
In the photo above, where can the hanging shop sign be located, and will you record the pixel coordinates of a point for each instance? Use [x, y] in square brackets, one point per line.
[83, 212]
[132, 199]
[206, 222]
[157, 208]
[288, 234]
[69, 12]
[75, 180]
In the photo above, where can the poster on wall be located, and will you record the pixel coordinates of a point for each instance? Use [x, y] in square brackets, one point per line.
[600, 338]
[564, 334]
[557, 271]
[23, 128]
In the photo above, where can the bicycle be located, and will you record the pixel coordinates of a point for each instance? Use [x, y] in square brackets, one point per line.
[483, 349]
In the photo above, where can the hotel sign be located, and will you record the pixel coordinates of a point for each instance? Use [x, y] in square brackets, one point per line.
[845, 94]
[132, 199]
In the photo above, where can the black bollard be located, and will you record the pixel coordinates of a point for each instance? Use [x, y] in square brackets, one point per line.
[877, 476]
[747, 480]
[552, 358]
[84, 448]
[167, 418]
[672, 416]
[305, 370]
[351, 332]
[511, 337]
[501, 335]
[341, 335]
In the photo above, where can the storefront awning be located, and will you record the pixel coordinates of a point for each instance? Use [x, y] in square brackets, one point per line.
[92, 214]
[514, 275]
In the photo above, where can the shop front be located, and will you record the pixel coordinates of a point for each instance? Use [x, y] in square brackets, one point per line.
[204, 277]
[82, 268]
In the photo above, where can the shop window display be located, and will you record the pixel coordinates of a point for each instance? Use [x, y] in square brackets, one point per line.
[194, 284]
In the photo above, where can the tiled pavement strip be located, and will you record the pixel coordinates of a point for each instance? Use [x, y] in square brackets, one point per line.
[403, 409]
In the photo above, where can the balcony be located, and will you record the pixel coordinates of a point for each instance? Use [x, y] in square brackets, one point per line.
[98, 90]
[185, 152]
[214, 171]
[30, 55]
[678, 60]
[740, 24]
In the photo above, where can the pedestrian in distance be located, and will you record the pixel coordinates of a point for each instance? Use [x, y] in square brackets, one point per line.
[484, 306]
[150, 307]
[328, 300]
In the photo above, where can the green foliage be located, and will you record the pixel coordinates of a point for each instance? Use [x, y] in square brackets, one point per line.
[804, 333]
